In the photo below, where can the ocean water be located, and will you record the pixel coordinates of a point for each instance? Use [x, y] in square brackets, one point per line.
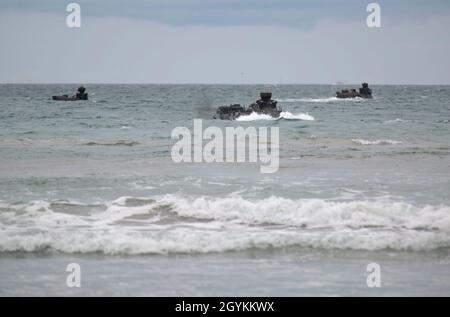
[360, 181]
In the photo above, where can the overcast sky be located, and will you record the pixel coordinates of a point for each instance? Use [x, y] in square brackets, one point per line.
[225, 41]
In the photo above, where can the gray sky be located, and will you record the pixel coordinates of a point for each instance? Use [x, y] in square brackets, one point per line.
[193, 41]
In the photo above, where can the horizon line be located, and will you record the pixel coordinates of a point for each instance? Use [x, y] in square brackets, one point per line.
[224, 84]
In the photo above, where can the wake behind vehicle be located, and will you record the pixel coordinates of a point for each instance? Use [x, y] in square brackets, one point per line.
[265, 106]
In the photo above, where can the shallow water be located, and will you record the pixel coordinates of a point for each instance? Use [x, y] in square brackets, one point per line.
[288, 272]
[367, 177]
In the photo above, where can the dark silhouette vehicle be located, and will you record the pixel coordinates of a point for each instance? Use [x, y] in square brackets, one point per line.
[364, 92]
[265, 105]
[80, 95]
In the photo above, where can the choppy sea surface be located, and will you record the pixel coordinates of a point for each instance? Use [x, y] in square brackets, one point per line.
[360, 181]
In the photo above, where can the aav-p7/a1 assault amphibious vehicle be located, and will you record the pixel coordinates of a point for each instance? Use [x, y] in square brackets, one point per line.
[265, 105]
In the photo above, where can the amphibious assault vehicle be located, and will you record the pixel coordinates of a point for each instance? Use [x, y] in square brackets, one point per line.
[265, 105]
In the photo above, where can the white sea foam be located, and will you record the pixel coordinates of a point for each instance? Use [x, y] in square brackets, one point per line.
[174, 224]
[398, 120]
[286, 115]
[300, 116]
[311, 213]
[255, 117]
[376, 142]
[319, 100]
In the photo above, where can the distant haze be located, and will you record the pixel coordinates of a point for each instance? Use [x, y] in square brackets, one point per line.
[192, 42]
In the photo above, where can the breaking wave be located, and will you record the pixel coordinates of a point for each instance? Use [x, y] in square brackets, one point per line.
[178, 224]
